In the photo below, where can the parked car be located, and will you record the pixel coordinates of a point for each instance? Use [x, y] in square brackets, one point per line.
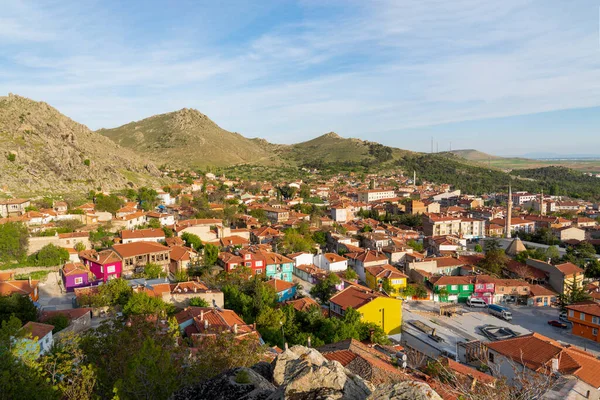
[474, 302]
[563, 317]
[557, 324]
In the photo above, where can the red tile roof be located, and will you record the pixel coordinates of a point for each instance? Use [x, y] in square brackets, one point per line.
[279, 285]
[353, 296]
[37, 330]
[142, 233]
[569, 268]
[138, 248]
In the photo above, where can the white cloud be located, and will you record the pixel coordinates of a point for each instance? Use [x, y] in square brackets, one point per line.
[357, 68]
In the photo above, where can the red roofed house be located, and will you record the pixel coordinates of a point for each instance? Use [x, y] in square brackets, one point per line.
[105, 265]
[27, 288]
[531, 357]
[202, 322]
[561, 276]
[142, 235]
[38, 337]
[373, 306]
[182, 258]
[285, 290]
[585, 319]
[368, 258]
[137, 255]
[76, 275]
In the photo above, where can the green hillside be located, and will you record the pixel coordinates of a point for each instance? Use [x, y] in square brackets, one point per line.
[188, 138]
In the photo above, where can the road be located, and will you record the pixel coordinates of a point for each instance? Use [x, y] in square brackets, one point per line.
[536, 319]
[52, 296]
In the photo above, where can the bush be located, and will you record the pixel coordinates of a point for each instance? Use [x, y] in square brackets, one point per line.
[60, 322]
[86, 162]
[49, 256]
[11, 157]
[198, 302]
[153, 271]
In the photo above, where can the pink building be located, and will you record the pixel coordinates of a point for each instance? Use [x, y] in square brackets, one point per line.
[484, 288]
[105, 265]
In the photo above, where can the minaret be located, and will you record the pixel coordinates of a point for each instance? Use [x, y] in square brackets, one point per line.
[507, 229]
[542, 211]
[415, 179]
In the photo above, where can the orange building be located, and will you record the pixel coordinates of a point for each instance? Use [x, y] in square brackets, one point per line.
[585, 318]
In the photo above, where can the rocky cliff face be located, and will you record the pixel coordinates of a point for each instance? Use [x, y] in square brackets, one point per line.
[297, 374]
[44, 151]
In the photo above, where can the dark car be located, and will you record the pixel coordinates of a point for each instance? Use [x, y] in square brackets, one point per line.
[557, 324]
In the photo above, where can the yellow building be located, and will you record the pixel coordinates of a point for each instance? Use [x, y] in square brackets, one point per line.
[377, 275]
[373, 306]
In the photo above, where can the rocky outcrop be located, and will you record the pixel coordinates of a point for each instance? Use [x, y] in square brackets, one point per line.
[410, 390]
[301, 373]
[235, 384]
[43, 151]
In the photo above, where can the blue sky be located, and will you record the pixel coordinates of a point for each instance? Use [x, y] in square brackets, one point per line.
[506, 77]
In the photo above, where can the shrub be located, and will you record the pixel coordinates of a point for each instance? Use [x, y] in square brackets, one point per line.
[11, 157]
[86, 162]
[198, 302]
[60, 322]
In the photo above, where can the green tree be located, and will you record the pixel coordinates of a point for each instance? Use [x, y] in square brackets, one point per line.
[49, 256]
[79, 247]
[65, 369]
[115, 292]
[151, 373]
[17, 306]
[20, 376]
[478, 248]
[495, 259]
[168, 232]
[592, 269]
[192, 241]
[198, 302]
[416, 246]
[350, 274]
[325, 288]
[110, 203]
[60, 322]
[154, 223]
[148, 198]
[153, 271]
[320, 238]
[211, 254]
[14, 241]
[573, 294]
[143, 304]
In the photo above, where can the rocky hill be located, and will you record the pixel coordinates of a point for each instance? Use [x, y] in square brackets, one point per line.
[297, 374]
[45, 152]
[474, 155]
[188, 138]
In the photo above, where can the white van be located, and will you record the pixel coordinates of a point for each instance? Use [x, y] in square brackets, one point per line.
[474, 302]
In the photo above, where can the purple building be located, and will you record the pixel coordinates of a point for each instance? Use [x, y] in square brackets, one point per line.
[105, 265]
[76, 275]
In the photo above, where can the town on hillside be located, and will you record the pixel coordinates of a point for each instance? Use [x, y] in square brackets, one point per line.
[142, 292]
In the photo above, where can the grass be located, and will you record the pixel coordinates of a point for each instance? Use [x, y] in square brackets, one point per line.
[36, 275]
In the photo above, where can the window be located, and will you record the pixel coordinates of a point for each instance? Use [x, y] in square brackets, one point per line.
[258, 263]
[582, 316]
[595, 320]
[571, 313]
[479, 286]
[78, 281]
[101, 269]
[595, 331]
[454, 287]
[258, 271]
[248, 264]
[110, 269]
[465, 287]
[491, 357]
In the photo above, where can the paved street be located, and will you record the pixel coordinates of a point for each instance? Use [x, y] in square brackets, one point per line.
[534, 319]
[306, 286]
[52, 296]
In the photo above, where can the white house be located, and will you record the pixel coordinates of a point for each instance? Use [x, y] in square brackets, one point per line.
[38, 337]
[331, 262]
